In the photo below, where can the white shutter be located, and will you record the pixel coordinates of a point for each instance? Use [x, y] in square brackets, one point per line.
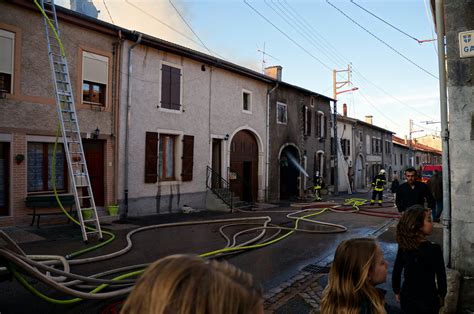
[95, 68]
[7, 40]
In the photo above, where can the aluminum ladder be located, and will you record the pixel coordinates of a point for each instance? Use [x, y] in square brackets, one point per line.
[71, 134]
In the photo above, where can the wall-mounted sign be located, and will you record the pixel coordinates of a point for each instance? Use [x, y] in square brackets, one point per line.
[466, 44]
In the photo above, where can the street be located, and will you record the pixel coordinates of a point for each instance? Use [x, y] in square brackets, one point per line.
[292, 271]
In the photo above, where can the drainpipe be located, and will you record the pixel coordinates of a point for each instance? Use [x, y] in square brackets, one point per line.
[267, 166]
[439, 9]
[124, 213]
[116, 111]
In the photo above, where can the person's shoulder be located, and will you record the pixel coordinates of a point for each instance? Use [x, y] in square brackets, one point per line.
[432, 246]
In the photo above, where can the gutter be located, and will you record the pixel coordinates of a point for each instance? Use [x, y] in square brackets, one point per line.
[267, 157]
[124, 212]
[444, 133]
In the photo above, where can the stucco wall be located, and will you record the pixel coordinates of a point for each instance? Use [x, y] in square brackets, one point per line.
[211, 103]
[31, 109]
[460, 17]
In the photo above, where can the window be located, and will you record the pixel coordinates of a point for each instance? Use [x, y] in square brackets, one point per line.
[246, 101]
[361, 136]
[166, 157]
[388, 148]
[95, 76]
[401, 159]
[7, 42]
[320, 124]
[346, 147]
[161, 157]
[306, 120]
[170, 87]
[395, 158]
[40, 159]
[282, 113]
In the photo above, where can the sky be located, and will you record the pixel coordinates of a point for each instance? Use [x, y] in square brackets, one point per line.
[396, 76]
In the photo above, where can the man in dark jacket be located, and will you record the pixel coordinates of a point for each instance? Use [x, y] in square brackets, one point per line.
[413, 192]
[436, 187]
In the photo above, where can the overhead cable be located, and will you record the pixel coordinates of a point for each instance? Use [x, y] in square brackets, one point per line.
[382, 41]
[291, 39]
[189, 26]
[389, 24]
[108, 12]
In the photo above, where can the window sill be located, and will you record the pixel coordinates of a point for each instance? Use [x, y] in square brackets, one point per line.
[179, 111]
[168, 183]
[246, 111]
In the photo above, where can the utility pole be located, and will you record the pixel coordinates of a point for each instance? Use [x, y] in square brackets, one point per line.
[337, 85]
[410, 149]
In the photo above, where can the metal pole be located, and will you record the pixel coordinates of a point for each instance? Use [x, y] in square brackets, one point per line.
[334, 148]
[124, 212]
[439, 5]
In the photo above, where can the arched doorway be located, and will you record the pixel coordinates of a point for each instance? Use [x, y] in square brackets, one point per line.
[289, 172]
[243, 174]
[359, 173]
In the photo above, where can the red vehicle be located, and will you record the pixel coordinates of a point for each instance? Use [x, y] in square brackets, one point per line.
[427, 172]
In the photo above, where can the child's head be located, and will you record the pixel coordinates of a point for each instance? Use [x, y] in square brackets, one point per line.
[185, 284]
[414, 225]
[358, 266]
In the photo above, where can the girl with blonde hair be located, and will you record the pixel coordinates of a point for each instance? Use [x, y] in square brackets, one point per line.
[185, 284]
[358, 266]
[422, 263]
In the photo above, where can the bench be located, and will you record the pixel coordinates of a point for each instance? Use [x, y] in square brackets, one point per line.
[47, 201]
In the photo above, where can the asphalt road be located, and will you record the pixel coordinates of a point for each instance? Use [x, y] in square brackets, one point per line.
[270, 265]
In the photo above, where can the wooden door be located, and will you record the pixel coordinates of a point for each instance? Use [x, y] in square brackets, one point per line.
[94, 152]
[216, 162]
[4, 178]
[244, 162]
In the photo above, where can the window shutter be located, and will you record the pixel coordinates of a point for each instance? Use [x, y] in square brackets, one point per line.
[187, 159]
[175, 90]
[309, 121]
[348, 147]
[151, 157]
[166, 86]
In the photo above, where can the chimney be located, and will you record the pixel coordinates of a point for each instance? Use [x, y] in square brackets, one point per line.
[368, 119]
[344, 110]
[406, 140]
[274, 72]
[86, 7]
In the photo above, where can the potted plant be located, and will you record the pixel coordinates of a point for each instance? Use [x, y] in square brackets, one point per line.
[113, 210]
[87, 214]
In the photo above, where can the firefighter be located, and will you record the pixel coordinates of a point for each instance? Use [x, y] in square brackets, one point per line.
[378, 184]
[318, 184]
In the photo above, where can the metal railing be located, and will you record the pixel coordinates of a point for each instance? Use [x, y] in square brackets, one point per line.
[219, 186]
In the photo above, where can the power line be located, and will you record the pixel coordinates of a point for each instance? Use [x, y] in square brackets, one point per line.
[344, 59]
[382, 20]
[170, 27]
[189, 26]
[108, 12]
[291, 39]
[382, 41]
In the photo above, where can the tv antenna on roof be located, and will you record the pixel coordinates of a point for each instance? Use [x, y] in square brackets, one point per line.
[263, 57]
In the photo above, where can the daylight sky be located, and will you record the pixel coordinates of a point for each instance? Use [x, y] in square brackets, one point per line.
[395, 75]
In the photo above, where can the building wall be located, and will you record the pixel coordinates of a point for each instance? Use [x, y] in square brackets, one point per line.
[345, 131]
[461, 124]
[292, 134]
[398, 165]
[30, 111]
[430, 140]
[211, 108]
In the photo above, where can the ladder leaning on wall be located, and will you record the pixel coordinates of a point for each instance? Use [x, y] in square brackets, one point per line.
[71, 134]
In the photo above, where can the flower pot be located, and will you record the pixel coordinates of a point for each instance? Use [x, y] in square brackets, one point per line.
[86, 214]
[113, 210]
